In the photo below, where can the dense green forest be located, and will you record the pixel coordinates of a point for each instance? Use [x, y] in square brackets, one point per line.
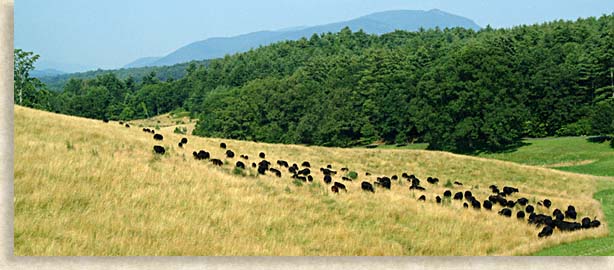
[456, 89]
[58, 82]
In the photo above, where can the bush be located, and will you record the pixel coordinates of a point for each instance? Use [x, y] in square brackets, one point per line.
[181, 130]
[602, 118]
[353, 175]
[448, 184]
[580, 128]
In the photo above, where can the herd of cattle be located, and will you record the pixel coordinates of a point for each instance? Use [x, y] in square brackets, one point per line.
[563, 221]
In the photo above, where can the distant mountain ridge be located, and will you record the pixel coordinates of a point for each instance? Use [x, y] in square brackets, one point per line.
[376, 23]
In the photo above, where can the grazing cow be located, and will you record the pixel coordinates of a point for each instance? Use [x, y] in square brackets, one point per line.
[447, 193]
[571, 212]
[261, 155]
[458, 183]
[146, 130]
[230, 154]
[540, 219]
[494, 188]
[465, 205]
[404, 175]
[159, 150]
[394, 178]
[546, 231]
[558, 215]
[417, 188]
[458, 196]
[334, 189]
[432, 180]
[158, 137]
[282, 163]
[327, 179]
[509, 190]
[438, 199]
[511, 204]
[384, 182]
[595, 223]
[304, 172]
[468, 195]
[422, 198]
[340, 186]
[195, 155]
[529, 209]
[567, 226]
[180, 145]
[223, 145]
[506, 212]
[344, 178]
[586, 223]
[244, 157]
[522, 201]
[344, 169]
[240, 165]
[327, 171]
[262, 170]
[184, 140]
[309, 178]
[276, 172]
[105, 120]
[520, 215]
[254, 165]
[306, 164]
[329, 166]
[476, 204]
[217, 162]
[203, 155]
[128, 125]
[265, 164]
[487, 205]
[366, 186]
[121, 122]
[367, 173]
[547, 203]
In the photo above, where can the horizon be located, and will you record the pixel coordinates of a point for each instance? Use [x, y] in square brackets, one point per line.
[39, 29]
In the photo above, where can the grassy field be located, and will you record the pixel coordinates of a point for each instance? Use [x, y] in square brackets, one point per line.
[574, 154]
[83, 187]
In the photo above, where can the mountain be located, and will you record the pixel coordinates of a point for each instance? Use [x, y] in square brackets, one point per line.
[142, 62]
[39, 73]
[65, 67]
[376, 23]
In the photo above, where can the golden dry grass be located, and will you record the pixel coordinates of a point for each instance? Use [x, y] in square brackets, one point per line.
[83, 187]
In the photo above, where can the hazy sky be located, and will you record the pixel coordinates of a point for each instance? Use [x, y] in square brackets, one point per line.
[112, 33]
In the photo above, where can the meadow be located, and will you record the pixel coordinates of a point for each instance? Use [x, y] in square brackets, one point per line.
[83, 187]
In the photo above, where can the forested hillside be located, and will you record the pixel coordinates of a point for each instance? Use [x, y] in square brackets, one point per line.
[457, 89]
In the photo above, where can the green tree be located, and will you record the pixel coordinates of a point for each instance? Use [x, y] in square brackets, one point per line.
[25, 87]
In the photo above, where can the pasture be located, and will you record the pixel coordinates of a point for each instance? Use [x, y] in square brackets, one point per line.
[84, 187]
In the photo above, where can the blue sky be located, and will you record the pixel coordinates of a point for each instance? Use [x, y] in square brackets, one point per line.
[112, 33]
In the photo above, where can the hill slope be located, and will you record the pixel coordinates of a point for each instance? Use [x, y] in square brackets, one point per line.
[377, 23]
[105, 193]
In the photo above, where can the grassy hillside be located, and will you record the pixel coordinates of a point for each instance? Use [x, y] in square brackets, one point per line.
[83, 187]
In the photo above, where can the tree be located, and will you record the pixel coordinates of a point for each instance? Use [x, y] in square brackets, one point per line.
[26, 87]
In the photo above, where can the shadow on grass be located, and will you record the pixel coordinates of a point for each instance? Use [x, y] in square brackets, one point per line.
[505, 150]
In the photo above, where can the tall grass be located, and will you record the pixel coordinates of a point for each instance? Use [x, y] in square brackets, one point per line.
[123, 200]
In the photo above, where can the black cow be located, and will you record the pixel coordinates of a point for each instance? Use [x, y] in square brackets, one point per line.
[422, 198]
[511, 204]
[329, 166]
[158, 137]
[105, 120]
[447, 193]
[494, 188]
[327, 171]
[121, 123]
[240, 165]
[558, 215]
[475, 204]
[384, 182]
[404, 175]
[230, 154]
[203, 155]
[309, 178]
[327, 179]
[509, 190]
[438, 199]
[540, 219]
[265, 164]
[217, 162]
[432, 180]
[595, 223]
[306, 164]
[529, 209]
[334, 189]
[304, 172]
[180, 145]
[465, 205]
[262, 170]
[417, 188]
[506, 212]
[468, 195]
[567, 226]
[254, 165]
[520, 215]
[223, 145]
[367, 173]
[344, 178]
[571, 212]
[261, 155]
[586, 223]
[458, 196]
[340, 186]
[159, 150]
[244, 157]
[458, 183]
[276, 172]
[522, 201]
[547, 203]
[394, 178]
[128, 125]
[487, 205]
[546, 231]
[184, 140]
[366, 186]
[344, 169]
[282, 163]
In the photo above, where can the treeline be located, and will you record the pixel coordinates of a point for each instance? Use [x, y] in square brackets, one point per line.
[164, 73]
[456, 89]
